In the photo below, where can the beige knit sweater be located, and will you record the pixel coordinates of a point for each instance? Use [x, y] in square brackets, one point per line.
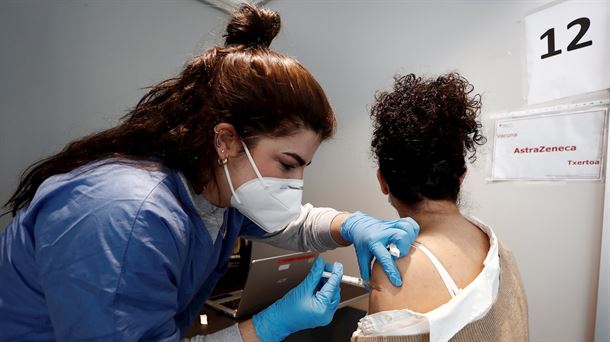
[505, 321]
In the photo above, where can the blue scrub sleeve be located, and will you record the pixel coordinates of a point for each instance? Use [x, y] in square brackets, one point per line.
[110, 269]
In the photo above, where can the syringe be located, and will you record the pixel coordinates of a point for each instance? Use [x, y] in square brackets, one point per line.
[354, 281]
[392, 248]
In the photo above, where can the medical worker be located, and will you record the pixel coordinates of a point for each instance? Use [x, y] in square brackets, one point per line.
[124, 233]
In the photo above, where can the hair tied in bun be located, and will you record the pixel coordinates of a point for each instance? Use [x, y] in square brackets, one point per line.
[251, 26]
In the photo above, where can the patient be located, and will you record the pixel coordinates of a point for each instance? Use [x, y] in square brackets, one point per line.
[461, 284]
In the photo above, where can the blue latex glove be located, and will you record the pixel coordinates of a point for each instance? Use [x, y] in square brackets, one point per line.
[302, 307]
[371, 237]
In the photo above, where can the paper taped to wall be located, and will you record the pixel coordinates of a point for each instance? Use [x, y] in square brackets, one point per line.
[550, 147]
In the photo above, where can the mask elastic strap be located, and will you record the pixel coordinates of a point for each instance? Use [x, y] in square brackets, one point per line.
[224, 166]
[258, 174]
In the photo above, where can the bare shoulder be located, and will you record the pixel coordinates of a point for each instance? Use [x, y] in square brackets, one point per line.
[461, 249]
[421, 291]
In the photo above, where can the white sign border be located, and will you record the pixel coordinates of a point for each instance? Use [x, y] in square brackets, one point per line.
[602, 169]
[602, 314]
[524, 64]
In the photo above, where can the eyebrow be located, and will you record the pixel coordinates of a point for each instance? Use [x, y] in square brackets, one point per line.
[297, 158]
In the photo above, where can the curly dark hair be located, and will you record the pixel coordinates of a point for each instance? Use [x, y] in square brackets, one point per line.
[423, 131]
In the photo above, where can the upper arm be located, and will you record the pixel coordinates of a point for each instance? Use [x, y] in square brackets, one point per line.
[422, 289]
[110, 267]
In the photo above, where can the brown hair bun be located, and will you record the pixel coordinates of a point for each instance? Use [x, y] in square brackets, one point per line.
[252, 27]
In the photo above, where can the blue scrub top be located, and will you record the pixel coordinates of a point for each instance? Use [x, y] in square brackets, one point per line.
[110, 250]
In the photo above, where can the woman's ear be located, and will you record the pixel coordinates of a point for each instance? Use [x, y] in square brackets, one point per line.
[226, 141]
[462, 177]
[382, 183]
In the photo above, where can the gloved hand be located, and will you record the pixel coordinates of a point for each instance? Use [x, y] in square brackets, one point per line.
[371, 236]
[302, 307]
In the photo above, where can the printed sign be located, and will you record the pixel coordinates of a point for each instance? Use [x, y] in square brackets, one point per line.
[568, 49]
[552, 147]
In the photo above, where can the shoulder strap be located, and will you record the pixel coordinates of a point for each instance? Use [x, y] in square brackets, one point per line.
[449, 283]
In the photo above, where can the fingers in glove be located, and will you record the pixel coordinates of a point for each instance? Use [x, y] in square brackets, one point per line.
[333, 285]
[313, 278]
[323, 280]
[364, 263]
[337, 299]
[403, 241]
[408, 225]
[387, 263]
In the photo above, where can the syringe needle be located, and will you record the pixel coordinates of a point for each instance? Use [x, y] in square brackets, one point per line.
[354, 281]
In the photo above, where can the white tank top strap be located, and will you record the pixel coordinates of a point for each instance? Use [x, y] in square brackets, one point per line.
[449, 283]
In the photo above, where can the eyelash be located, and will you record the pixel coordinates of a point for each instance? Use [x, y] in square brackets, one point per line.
[287, 167]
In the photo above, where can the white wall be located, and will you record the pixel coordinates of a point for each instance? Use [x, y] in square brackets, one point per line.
[69, 68]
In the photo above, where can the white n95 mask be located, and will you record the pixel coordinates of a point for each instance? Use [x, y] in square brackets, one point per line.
[269, 202]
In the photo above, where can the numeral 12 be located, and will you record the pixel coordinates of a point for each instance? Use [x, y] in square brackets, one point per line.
[584, 24]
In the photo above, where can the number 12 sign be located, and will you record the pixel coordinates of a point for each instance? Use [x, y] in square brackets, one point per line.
[568, 49]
